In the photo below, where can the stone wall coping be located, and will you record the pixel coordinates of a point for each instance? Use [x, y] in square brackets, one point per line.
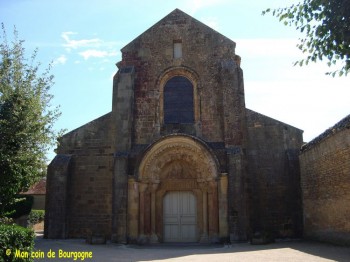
[252, 112]
[341, 125]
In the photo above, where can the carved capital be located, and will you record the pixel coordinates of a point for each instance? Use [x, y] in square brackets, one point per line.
[154, 186]
[203, 185]
[143, 187]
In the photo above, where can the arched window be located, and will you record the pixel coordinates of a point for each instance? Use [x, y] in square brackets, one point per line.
[178, 101]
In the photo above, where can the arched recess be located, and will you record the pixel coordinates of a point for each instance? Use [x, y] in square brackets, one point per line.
[178, 101]
[188, 73]
[175, 163]
[182, 148]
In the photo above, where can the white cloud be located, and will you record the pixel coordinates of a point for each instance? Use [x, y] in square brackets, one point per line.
[60, 60]
[92, 53]
[97, 53]
[74, 44]
[90, 48]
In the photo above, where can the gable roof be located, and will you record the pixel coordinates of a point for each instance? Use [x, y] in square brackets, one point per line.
[177, 17]
[38, 188]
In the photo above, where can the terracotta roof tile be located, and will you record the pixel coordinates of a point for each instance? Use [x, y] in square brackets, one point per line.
[37, 189]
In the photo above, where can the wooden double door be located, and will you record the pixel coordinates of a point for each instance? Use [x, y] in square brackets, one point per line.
[180, 217]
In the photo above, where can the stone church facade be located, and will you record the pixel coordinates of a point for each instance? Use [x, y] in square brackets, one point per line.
[179, 158]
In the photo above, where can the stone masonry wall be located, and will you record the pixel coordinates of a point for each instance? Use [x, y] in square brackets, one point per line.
[273, 180]
[122, 130]
[261, 164]
[205, 52]
[325, 182]
[90, 180]
[58, 174]
[209, 61]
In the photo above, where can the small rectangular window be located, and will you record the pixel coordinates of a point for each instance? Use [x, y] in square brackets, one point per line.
[177, 49]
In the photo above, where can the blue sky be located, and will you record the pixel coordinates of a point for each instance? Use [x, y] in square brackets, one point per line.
[83, 38]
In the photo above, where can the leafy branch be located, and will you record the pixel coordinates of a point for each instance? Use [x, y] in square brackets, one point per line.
[326, 25]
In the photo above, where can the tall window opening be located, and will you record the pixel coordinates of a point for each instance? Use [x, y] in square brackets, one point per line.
[178, 101]
[177, 49]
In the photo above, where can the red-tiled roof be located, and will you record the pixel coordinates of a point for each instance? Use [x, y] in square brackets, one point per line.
[37, 189]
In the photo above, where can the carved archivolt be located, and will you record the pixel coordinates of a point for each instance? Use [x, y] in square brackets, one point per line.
[178, 157]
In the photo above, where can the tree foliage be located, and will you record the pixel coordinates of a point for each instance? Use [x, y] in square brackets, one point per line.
[326, 24]
[26, 119]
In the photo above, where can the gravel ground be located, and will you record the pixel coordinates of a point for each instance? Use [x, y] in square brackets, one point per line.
[279, 251]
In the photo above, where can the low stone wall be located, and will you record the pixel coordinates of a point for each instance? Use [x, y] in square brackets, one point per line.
[325, 182]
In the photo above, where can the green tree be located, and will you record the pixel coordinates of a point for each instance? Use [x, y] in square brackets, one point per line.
[326, 24]
[26, 119]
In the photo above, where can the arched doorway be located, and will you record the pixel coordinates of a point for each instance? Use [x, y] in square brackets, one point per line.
[177, 173]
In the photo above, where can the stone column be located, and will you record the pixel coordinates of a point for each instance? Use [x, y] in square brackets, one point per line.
[223, 225]
[213, 212]
[204, 237]
[133, 210]
[154, 237]
[142, 237]
[147, 214]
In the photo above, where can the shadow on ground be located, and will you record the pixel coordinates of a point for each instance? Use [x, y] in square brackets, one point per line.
[279, 251]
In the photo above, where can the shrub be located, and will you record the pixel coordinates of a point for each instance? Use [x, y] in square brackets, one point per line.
[6, 220]
[36, 216]
[14, 238]
[22, 206]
